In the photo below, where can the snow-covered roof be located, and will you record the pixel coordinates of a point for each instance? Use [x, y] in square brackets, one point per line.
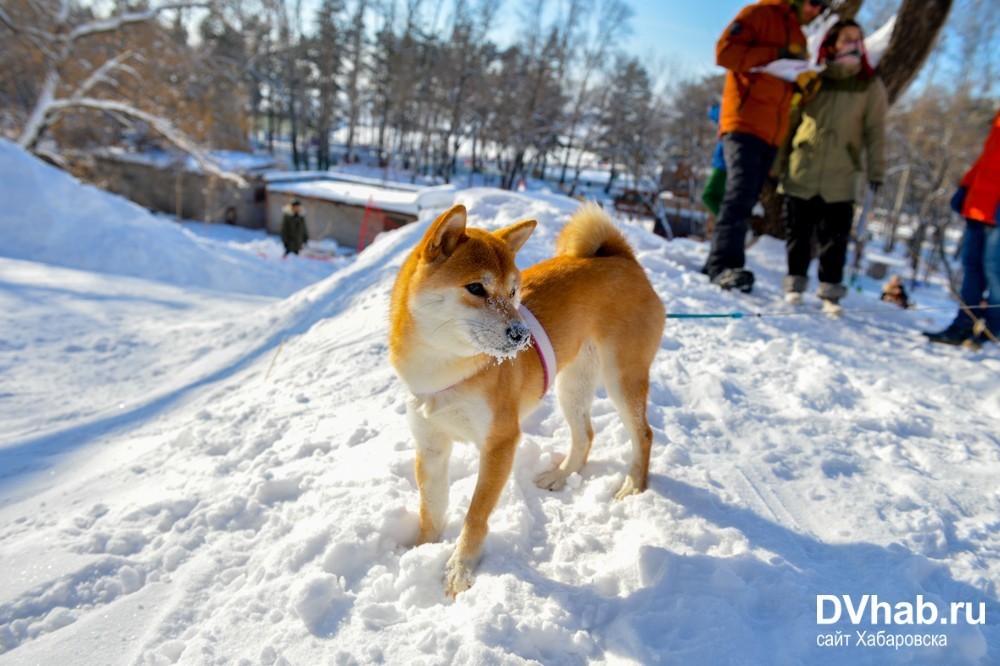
[289, 176]
[226, 160]
[406, 201]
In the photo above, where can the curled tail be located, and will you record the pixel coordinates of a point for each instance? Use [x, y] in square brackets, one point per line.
[591, 233]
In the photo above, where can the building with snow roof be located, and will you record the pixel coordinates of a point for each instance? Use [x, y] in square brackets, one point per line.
[173, 183]
[351, 210]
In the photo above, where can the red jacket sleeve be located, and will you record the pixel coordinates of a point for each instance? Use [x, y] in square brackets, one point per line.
[969, 176]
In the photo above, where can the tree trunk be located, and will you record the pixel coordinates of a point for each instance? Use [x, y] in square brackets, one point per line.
[353, 88]
[890, 241]
[917, 25]
[773, 221]
[848, 9]
[37, 121]
[917, 241]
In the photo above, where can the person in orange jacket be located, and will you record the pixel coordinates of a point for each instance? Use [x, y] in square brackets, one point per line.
[978, 201]
[753, 121]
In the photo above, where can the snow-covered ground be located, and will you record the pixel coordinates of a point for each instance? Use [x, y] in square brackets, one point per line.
[204, 459]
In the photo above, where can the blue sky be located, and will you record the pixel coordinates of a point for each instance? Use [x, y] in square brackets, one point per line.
[675, 39]
[679, 34]
[683, 32]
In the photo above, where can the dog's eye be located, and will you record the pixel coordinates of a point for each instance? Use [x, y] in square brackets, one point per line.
[476, 289]
[513, 291]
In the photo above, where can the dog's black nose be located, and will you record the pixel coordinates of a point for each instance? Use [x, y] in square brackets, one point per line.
[517, 333]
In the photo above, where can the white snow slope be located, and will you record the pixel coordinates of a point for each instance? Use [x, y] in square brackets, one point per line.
[189, 475]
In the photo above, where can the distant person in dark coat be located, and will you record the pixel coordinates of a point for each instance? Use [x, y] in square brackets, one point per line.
[293, 228]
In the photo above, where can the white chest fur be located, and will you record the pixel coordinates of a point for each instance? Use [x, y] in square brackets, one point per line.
[452, 414]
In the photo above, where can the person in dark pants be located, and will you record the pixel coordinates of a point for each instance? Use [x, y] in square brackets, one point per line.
[753, 122]
[294, 234]
[829, 223]
[978, 201]
[837, 132]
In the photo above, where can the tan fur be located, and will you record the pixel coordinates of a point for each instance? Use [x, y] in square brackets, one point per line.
[601, 314]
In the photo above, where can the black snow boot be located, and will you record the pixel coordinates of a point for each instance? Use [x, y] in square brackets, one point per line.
[953, 335]
[739, 279]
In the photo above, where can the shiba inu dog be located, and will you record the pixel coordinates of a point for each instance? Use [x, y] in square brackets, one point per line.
[462, 320]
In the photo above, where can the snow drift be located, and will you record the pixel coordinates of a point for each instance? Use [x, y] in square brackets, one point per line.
[50, 217]
[234, 484]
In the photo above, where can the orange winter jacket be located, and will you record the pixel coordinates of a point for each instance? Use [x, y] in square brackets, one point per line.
[982, 199]
[756, 103]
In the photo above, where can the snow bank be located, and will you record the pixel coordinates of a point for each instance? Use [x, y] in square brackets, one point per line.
[51, 217]
[234, 482]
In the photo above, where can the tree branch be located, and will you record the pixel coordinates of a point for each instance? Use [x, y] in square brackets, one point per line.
[113, 23]
[6, 21]
[160, 125]
[101, 73]
[40, 39]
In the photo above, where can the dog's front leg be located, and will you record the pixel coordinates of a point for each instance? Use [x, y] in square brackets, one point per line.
[433, 453]
[495, 463]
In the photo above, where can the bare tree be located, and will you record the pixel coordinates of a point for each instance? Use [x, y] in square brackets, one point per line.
[934, 139]
[464, 65]
[325, 52]
[290, 52]
[612, 18]
[974, 31]
[692, 135]
[356, 56]
[634, 131]
[529, 117]
[396, 78]
[57, 34]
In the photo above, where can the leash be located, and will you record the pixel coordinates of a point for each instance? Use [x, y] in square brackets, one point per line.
[744, 315]
[725, 315]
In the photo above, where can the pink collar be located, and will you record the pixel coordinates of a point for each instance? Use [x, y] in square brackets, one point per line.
[546, 354]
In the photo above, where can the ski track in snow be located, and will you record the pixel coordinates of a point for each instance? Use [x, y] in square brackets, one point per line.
[254, 499]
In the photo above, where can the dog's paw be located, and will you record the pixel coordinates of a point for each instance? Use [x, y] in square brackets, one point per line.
[458, 576]
[428, 536]
[629, 487]
[552, 480]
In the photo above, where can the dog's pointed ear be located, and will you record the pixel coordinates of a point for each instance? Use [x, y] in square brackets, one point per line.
[445, 234]
[516, 234]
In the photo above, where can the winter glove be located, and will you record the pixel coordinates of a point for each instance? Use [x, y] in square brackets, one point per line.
[958, 199]
[807, 83]
[793, 52]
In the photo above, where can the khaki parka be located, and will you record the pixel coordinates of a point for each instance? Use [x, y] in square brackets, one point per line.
[836, 136]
